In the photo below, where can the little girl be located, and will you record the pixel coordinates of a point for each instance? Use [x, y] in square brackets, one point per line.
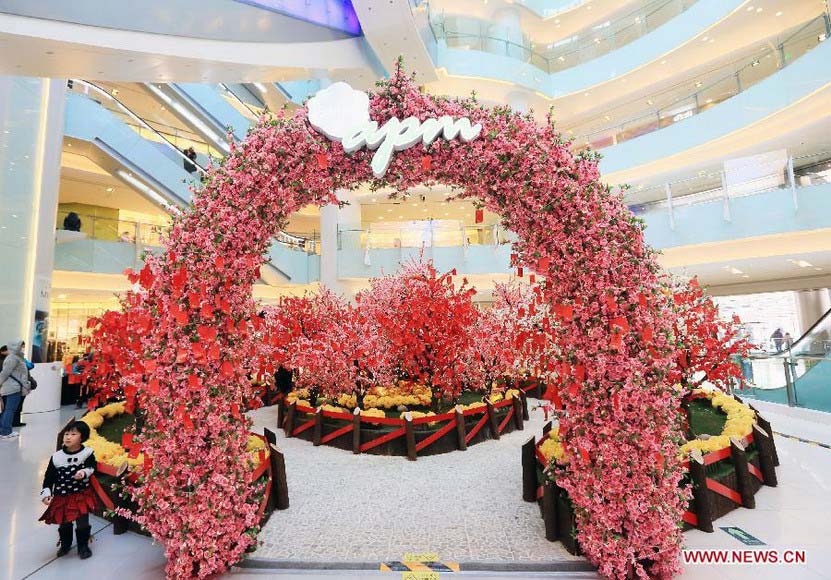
[67, 492]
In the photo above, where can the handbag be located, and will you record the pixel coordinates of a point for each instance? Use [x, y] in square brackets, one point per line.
[24, 389]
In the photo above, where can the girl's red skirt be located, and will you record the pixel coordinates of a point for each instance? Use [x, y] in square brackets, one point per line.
[68, 508]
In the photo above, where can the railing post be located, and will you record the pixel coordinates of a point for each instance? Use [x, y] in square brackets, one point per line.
[461, 433]
[725, 194]
[792, 180]
[789, 384]
[356, 431]
[409, 434]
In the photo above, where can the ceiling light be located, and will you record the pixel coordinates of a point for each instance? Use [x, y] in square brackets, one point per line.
[650, 102]
[709, 101]
[109, 189]
[561, 58]
[114, 92]
[663, 61]
[750, 8]
[759, 10]
[607, 117]
[779, 13]
[445, 213]
[698, 84]
[586, 94]
[755, 63]
[804, 264]
[389, 211]
[61, 296]
[705, 39]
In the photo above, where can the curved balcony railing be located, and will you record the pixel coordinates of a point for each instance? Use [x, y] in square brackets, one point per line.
[734, 79]
[422, 234]
[467, 33]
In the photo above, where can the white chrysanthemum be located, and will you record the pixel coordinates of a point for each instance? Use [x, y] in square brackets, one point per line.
[337, 109]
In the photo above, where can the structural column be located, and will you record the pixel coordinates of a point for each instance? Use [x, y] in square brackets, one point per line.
[340, 237]
[31, 139]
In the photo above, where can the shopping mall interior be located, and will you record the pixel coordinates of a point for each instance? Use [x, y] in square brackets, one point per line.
[278, 235]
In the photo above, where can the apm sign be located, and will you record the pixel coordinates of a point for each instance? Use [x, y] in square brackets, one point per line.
[342, 114]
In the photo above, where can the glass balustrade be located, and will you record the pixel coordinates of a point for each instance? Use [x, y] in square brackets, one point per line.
[708, 186]
[468, 33]
[422, 234]
[706, 91]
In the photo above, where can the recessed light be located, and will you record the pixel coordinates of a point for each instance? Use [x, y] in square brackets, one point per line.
[607, 117]
[759, 10]
[779, 13]
[61, 296]
[586, 94]
[705, 38]
[445, 213]
[708, 101]
[663, 61]
[698, 84]
[650, 102]
[109, 189]
[750, 8]
[114, 92]
[389, 211]
[755, 63]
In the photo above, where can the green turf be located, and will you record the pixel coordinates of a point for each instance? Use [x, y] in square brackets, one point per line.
[112, 429]
[704, 419]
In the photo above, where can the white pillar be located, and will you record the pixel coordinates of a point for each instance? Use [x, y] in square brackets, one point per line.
[32, 122]
[332, 220]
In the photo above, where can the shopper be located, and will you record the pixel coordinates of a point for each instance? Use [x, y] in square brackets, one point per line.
[67, 492]
[72, 222]
[18, 421]
[14, 384]
[190, 166]
[788, 341]
[777, 339]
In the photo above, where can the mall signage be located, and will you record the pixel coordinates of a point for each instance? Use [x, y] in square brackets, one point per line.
[342, 114]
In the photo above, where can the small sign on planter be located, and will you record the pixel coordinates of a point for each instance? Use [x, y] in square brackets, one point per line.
[342, 114]
[743, 536]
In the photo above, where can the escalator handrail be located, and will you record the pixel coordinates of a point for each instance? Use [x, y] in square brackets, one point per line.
[142, 122]
[788, 352]
[240, 101]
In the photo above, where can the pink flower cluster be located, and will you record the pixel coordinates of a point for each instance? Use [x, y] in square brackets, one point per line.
[609, 330]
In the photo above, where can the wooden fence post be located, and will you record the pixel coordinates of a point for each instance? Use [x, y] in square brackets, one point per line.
[279, 485]
[492, 422]
[356, 431]
[765, 425]
[566, 523]
[289, 423]
[281, 413]
[517, 403]
[737, 453]
[461, 433]
[764, 445]
[270, 436]
[546, 428]
[529, 471]
[524, 397]
[409, 434]
[702, 496]
[318, 428]
[549, 512]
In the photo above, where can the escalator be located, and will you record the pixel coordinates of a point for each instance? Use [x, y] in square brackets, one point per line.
[102, 128]
[799, 376]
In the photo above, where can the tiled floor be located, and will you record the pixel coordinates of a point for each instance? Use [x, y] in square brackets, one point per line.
[796, 514]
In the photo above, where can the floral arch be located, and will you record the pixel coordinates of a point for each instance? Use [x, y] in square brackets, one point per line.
[613, 325]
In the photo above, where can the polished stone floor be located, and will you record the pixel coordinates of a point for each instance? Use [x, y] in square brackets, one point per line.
[411, 512]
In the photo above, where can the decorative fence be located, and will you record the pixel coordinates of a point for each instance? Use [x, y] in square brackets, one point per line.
[410, 436]
[107, 477]
[721, 481]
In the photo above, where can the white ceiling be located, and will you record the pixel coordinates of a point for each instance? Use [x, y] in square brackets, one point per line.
[214, 19]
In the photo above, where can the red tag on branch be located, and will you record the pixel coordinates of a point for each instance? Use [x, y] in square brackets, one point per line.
[206, 333]
[519, 271]
[611, 303]
[226, 369]
[646, 334]
[126, 440]
[480, 216]
[564, 311]
[619, 323]
[322, 160]
[153, 387]
[194, 383]
[426, 162]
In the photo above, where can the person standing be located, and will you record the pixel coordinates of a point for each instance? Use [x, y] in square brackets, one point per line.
[14, 383]
[67, 491]
[788, 341]
[777, 339]
[17, 421]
